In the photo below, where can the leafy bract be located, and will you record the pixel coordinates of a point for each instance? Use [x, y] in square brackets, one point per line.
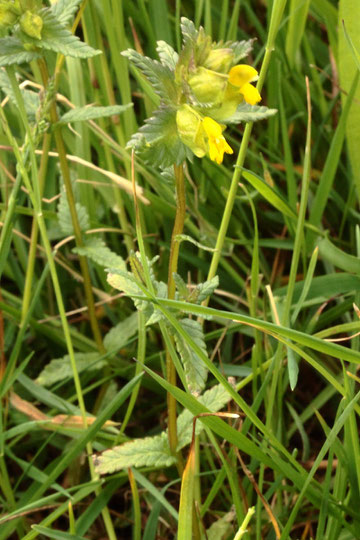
[96, 250]
[250, 113]
[124, 281]
[12, 51]
[157, 141]
[82, 114]
[64, 10]
[120, 334]
[168, 56]
[158, 74]
[56, 37]
[60, 368]
[195, 369]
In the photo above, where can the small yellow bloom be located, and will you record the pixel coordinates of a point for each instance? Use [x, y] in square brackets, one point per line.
[216, 141]
[241, 76]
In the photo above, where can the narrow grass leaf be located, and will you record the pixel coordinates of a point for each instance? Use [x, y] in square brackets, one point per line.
[269, 193]
[187, 497]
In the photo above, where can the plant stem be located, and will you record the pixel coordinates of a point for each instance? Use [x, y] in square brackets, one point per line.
[278, 8]
[173, 264]
[74, 217]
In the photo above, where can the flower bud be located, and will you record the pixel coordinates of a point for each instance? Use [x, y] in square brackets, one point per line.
[31, 24]
[188, 123]
[208, 86]
[219, 60]
[8, 13]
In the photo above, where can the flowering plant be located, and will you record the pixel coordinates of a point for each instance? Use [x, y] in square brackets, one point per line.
[201, 90]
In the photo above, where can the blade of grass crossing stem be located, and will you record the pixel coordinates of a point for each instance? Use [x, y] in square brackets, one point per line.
[295, 473]
[278, 7]
[136, 507]
[187, 498]
[323, 514]
[298, 13]
[348, 58]
[325, 448]
[273, 198]
[307, 285]
[78, 447]
[301, 338]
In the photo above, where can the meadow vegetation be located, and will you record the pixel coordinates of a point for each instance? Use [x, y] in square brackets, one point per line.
[180, 269]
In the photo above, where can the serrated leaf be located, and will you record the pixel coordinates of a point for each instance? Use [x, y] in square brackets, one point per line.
[12, 51]
[82, 114]
[55, 37]
[120, 334]
[157, 141]
[96, 250]
[250, 113]
[241, 49]
[64, 10]
[188, 30]
[147, 452]
[124, 281]
[59, 369]
[214, 400]
[223, 526]
[64, 216]
[181, 286]
[159, 75]
[195, 369]
[155, 451]
[207, 288]
[168, 56]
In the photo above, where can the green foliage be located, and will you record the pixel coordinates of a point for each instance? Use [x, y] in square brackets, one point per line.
[82, 114]
[158, 74]
[195, 370]
[147, 452]
[121, 333]
[12, 52]
[157, 141]
[155, 451]
[64, 10]
[96, 250]
[55, 37]
[168, 56]
[64, 216]
[60, 368]
[250, 113]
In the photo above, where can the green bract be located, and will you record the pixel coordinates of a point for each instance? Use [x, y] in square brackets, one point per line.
[192, 86]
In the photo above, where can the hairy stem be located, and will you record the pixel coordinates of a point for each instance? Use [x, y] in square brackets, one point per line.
[173, 264]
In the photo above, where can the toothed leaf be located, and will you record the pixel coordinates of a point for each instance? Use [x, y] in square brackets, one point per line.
[157, 141]
[250, 113]
[159, 75]
[195, 369]
[96, 250]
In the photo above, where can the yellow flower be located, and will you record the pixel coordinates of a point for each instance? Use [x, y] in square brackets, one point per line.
[201, 134]
[241, 76]
[216, 141]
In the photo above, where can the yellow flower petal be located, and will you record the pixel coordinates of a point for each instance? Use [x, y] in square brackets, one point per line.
[212, 128]
[250, 93]
[242, 74]
[216, 141]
